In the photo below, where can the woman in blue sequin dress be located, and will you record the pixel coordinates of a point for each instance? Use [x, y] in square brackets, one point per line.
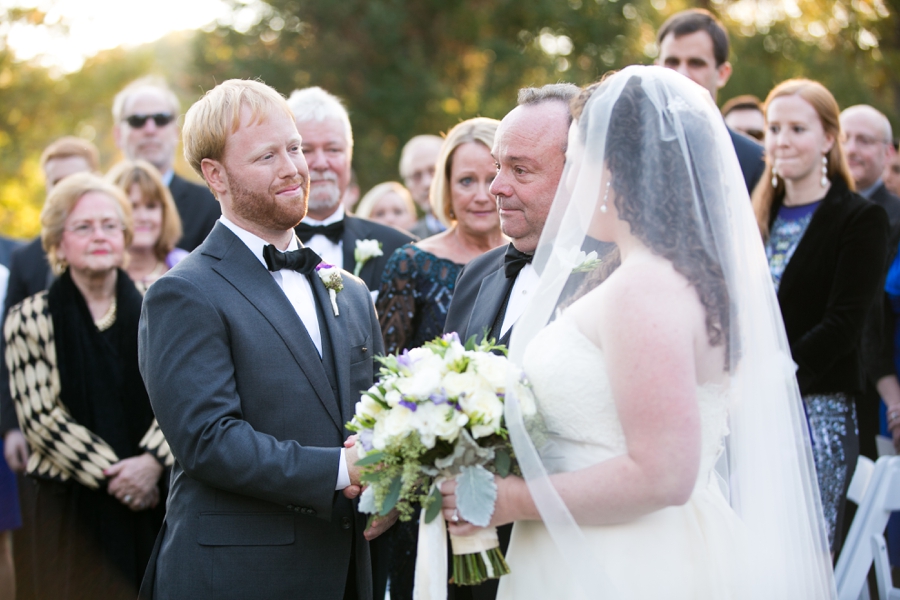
[419, 278]
[826, 246]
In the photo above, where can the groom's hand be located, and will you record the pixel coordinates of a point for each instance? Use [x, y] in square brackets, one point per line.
[351, 456]
[380, 525]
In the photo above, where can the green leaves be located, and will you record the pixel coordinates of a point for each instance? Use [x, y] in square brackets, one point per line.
[393, 494]
[372, 458]
[434, 504]
[502, 461]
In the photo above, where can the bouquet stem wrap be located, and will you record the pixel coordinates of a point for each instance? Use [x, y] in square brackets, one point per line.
[431, 560]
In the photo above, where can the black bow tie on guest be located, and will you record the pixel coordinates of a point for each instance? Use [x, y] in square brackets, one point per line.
[303, 260]
[515, 261]
[333, 231]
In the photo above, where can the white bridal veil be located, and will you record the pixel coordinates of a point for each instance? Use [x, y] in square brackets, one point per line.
[689, 200]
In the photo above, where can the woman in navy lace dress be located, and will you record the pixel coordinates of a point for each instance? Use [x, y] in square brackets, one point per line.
[419, 278]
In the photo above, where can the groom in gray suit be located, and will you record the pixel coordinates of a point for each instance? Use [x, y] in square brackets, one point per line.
[253, 368]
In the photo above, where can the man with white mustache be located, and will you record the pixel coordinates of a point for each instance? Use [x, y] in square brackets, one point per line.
[327, 142]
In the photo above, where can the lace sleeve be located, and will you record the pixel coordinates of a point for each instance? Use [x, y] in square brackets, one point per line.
[62, 448]
[397, 300]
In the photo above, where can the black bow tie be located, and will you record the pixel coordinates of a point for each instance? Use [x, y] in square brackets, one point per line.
[333, 232]
[303, 260]
[515, 261]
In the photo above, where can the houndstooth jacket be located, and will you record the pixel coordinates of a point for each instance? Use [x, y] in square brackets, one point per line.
[61, 448]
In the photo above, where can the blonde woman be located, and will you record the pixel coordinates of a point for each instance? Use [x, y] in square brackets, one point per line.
[390, 204]
[419, 278]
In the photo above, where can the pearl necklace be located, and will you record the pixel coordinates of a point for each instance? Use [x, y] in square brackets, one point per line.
[107, 320]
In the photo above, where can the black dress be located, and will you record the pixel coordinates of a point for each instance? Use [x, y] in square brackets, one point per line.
[85, 543]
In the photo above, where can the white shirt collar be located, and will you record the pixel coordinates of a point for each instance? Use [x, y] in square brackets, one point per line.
[253, 241]
[338, 215]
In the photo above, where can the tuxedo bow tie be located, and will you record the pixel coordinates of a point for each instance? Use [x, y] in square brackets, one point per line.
[333, 231]
[303, 260]
[515, 261]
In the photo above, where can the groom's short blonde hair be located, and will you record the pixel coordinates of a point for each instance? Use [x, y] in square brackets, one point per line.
[216, 115]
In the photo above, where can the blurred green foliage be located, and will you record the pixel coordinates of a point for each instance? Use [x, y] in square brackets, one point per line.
[405, 67]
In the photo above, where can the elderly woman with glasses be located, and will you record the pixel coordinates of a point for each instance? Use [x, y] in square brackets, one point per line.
[97, 455]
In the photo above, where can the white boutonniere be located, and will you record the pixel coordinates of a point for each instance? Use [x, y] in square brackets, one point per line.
[365, 250]
[331, 277]
[585, 263]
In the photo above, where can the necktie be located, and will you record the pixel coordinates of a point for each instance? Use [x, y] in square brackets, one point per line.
[333, 231]
[303, 260]
[515, 261]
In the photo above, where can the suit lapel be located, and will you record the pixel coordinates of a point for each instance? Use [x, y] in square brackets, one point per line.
[488, 302]
[239, 267]
[336, 330]
[351, 234]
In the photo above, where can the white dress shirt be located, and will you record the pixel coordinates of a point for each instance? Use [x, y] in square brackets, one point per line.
[330, 252]
[299, 293]
[519, 297]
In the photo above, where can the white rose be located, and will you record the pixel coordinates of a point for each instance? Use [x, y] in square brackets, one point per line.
[421, 384]
[367, 407]
[393, 398]
[495, 369]
[485, 411]
[455, 384]
[398, 422]
[455, 352]
[366, 249]
[431, 421]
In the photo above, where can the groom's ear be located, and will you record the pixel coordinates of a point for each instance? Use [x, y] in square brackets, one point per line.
[215, 176]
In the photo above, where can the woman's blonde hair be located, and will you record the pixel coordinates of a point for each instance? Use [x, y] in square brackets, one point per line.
[479, 129]
[367, 204]
[765, 197]
[144, 175]
[59, 204]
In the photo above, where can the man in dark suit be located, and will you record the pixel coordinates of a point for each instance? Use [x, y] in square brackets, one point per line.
[324, 127]
[252, 374]
[145, 114]
[493, 289]
[695, 43]
[868, 146]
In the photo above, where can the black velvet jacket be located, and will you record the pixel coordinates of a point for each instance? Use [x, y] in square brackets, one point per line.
[829, 286]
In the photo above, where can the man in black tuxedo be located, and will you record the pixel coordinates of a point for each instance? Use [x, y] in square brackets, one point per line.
[324, 127]
[868, 146]
[253, 372]
[695, 43]
[493, 289]
[145, 114]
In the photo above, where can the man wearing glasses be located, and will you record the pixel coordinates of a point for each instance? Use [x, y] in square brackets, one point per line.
[146, 127]
[867, 143]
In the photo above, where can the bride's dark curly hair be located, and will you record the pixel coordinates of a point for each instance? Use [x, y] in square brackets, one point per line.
[654, 185]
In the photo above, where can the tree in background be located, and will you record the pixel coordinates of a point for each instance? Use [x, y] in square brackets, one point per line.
[406, 67]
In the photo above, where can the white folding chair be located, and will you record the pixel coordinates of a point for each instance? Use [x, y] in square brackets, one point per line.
[876, 500]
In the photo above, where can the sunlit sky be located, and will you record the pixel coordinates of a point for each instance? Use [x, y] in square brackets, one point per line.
[95, 25]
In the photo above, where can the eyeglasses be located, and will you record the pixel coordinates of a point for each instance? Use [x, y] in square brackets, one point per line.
[161, 120]
[107, 228]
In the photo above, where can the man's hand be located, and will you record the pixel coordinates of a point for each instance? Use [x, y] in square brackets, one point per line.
[351, 456]
[15, 450]
[380, 525]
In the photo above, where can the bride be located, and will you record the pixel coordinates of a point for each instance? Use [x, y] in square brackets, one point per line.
[671, 457]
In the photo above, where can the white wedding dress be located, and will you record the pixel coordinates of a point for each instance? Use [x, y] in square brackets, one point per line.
[688, 552]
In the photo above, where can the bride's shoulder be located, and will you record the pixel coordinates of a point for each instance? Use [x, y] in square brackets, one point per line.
[649, 278]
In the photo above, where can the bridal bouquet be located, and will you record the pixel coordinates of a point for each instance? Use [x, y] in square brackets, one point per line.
[436, 413]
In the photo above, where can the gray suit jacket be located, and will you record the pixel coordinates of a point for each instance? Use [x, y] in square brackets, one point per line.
[256, 429]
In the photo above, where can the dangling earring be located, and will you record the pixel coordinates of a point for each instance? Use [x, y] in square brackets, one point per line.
[603, 207]
[774, 177]
[824, 180]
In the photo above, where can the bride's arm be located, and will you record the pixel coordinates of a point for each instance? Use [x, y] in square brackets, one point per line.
[649, 348]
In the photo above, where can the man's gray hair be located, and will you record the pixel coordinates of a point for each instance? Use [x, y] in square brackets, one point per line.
[562, 92]
[315, 104]
[150, 81]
